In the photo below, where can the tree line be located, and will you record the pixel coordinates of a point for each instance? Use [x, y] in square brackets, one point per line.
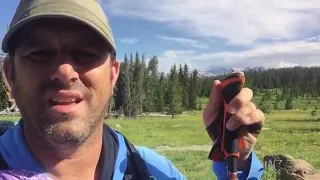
[294, 82]
[142, 88]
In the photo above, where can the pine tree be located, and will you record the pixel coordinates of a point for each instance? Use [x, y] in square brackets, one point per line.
[140, 81]
[131, 74]
[119, 88]
[160, 94]
[276, 106]
[318, 87]
[185, 87]
[288, 104]
[154, 82]
[147, 91]
[126, 92]
[137, 90]
[174, 93]
[200, 105]
[150, 85]
[181, 83]
[265, 108]
[193, 90]
[181, 73]
[278, 98]
[206, 86]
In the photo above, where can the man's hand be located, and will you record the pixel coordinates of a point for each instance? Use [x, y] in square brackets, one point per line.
[244, 113]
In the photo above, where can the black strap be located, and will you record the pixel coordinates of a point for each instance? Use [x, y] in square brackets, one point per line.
[136, 165]
[3, 163]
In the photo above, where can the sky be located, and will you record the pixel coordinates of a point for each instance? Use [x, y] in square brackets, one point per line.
[208, 34]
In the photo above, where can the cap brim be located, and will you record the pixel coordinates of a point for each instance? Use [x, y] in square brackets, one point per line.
[57, 11]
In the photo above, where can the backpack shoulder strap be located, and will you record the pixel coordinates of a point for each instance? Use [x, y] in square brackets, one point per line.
[136, 164]
[3, 163]
[133, 166]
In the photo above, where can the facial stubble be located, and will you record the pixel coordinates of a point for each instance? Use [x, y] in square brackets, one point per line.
[47, 124]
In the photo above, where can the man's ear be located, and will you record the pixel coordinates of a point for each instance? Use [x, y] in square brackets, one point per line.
[8, 70]
[115, 70]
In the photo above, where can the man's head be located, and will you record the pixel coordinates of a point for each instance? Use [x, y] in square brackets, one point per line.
[61, 69]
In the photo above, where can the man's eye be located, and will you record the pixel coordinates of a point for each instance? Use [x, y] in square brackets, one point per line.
[84, 56]
[41, 55]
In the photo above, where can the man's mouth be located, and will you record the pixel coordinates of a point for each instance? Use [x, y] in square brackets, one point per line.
[65, 101]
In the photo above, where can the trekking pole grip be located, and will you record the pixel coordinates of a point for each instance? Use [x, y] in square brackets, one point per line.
[231, 86]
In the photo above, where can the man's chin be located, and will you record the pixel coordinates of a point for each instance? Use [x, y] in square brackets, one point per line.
[53, 117]
[64, 135]
[62, 129]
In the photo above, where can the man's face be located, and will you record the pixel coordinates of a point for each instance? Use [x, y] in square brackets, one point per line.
[62, 79]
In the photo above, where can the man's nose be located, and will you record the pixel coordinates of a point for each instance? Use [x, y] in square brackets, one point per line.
[65, 73]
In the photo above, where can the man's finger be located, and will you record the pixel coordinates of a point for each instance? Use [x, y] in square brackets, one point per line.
[256, 117]
[247, 117]
[216, 92]
[246, 109]
[246, 141]
[215, 102]
[251, 105]
[236, 121]
[243, 97]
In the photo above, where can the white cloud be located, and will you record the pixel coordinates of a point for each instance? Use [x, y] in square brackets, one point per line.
[170, 57]
[314, 38]
[129, 40]
[241, 22]
[278, 54]
[291, 28]
[186, 42]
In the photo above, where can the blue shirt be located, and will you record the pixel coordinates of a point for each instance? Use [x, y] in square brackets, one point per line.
[18, 156]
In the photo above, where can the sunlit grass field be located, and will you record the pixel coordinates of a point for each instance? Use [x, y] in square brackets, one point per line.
[293, 132]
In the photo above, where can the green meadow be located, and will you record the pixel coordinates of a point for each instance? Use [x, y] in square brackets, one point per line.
[184, 141]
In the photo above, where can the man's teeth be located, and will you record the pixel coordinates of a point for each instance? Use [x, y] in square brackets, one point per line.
[64, 100]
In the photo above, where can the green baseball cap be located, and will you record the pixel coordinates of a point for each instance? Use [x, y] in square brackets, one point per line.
[88, 12]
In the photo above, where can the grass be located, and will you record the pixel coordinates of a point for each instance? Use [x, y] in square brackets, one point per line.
[293, 132]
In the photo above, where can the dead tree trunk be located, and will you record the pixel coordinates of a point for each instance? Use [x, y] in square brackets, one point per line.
[11, 104]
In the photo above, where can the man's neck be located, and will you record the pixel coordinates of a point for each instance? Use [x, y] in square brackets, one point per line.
[80, 163]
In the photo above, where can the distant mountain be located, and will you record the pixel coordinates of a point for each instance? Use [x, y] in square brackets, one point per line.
[258, 68]
[220, 71]
[216, 72]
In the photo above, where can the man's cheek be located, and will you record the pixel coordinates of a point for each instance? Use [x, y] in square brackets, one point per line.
[26, 90]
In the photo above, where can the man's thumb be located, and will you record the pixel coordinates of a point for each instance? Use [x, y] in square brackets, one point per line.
[215, 102]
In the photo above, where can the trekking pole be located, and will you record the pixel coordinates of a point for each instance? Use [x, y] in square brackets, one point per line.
[231, 86]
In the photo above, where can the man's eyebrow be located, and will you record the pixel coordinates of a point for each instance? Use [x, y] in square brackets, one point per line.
[36, 42]
[92, 44]
[89, 41]
[30, 46]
